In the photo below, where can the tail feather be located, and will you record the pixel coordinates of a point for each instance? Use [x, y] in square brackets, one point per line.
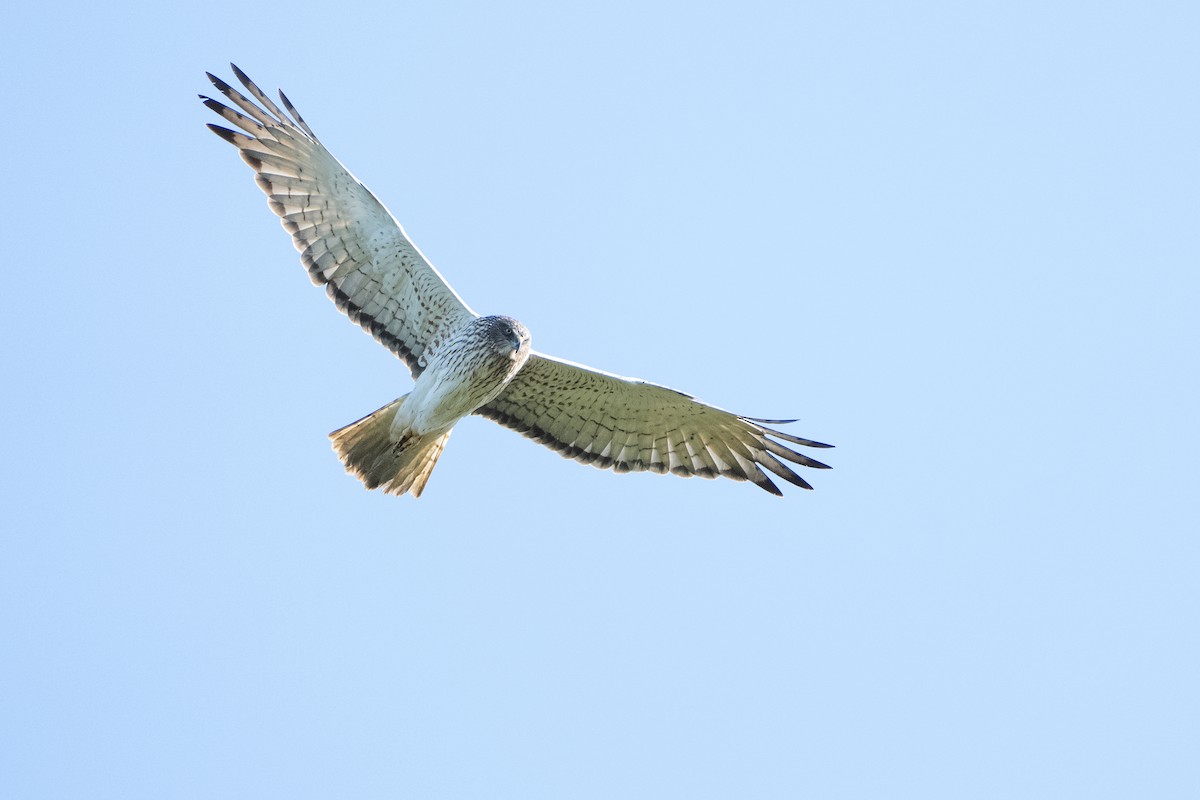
[373, 455]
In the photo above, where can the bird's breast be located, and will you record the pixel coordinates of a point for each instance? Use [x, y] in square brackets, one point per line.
[453, 386]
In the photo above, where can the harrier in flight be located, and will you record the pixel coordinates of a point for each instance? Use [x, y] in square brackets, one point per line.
[463, 363]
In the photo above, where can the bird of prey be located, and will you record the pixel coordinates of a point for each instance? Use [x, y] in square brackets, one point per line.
[463, 363]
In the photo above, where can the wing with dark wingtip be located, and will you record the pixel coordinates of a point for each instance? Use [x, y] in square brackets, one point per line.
[347, 239]
[629, 425]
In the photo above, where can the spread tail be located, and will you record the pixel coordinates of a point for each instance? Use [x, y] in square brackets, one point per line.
[379, 460]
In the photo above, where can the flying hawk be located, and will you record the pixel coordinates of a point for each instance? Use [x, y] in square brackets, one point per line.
[463, 363]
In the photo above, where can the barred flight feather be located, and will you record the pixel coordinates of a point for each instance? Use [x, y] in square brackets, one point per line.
[347, 239]
[617, 423]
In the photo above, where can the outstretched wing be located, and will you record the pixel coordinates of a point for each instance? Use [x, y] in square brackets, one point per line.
[630, 425]
[346, 238]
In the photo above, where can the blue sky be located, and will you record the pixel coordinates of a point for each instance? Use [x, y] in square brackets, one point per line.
[957, 240]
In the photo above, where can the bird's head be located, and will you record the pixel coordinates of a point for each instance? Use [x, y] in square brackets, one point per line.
[508, 337]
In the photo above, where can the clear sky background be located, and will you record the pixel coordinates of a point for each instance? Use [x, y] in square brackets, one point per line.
[959, 241]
